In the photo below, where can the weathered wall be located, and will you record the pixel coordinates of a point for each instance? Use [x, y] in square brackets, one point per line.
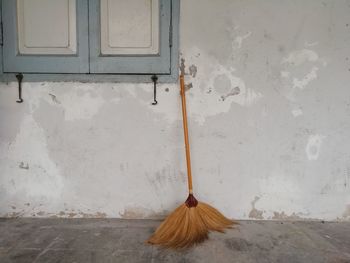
[269, 105]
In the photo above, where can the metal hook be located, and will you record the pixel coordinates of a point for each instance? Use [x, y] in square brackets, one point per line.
[154, 79]
[19, 77]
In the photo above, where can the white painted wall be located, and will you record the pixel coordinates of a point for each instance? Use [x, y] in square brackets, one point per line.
[269, 124]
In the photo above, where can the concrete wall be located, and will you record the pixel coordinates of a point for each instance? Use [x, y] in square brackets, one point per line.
[269, 106]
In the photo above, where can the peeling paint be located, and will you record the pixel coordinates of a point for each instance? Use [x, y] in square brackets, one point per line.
[302, 83]
[299, 69]
[297, 112]
[205, 101]
[313, 146]
[237, 43]
[299, 57]
[311, 44]
[246, 97]
[285, 74]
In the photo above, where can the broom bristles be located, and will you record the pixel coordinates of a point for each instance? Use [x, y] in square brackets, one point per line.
[189, 224]
[213, 219]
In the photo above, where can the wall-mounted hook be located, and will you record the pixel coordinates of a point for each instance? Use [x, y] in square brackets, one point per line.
[154, 79]
[19, 77]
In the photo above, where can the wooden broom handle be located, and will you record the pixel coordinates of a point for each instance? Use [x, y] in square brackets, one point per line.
[187, 144]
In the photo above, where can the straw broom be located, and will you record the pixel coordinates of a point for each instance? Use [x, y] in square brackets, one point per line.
[191, 222]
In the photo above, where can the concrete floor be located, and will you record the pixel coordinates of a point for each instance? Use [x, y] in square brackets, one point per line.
[112, 240]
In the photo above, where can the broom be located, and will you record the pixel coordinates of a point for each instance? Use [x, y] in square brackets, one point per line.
[191, 222]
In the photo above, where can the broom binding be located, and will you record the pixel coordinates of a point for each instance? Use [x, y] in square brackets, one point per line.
[191, 201]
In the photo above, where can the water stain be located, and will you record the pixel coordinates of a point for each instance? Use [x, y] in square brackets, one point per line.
[79, 214]
[188, 86]
[54, 98]
[267, 36]
[346, 213]
[281, 49]
[138, 212]
[161, 179]
[283, 216]
[23, 166]
[233, 92]
[219, 135]
[222, 84]
[13, 215]
[66, 214]
[255, 213]
[193, 70]
[313, 146]
[98, 215]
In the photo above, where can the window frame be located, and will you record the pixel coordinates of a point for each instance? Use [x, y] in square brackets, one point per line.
[172, 77]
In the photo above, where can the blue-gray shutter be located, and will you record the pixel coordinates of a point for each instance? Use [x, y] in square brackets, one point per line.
[15, 62]
[130, 64]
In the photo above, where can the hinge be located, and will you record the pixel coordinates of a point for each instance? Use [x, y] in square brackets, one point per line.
[1, 35]
[170, 35]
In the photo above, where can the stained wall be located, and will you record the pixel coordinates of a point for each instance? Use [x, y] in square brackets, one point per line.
[269, 111]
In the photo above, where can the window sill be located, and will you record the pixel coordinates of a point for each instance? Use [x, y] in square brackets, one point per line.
[89, 78]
